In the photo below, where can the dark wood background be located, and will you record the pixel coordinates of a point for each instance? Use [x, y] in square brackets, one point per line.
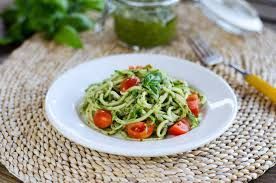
[268, 14]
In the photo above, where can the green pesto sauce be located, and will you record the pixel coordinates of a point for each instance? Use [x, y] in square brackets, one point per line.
[144, 33]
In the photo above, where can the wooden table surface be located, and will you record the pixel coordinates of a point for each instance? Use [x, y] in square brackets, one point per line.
[6, 177]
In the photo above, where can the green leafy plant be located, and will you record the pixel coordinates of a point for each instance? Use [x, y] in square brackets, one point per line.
[61, 20]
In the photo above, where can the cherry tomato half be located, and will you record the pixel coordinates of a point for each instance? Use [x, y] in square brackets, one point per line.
[102, 118]
[193, 104]
[139, 130]
[129, 82]
[181, 127]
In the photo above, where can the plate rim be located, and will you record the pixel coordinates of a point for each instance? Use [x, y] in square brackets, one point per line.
[75, 139]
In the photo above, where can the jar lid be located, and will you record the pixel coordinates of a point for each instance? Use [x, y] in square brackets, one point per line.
[235, 16]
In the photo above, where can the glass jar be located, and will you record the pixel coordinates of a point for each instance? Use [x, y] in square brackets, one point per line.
[145, 23]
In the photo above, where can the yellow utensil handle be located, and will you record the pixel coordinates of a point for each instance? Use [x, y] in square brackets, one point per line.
[262, 86]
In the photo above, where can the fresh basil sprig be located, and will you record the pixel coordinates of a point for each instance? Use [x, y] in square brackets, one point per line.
[61, 20]
[152, 81]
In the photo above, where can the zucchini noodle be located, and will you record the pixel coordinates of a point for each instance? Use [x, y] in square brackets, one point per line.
[156, 98]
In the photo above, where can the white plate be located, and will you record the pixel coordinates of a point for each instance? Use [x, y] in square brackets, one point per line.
[67, 91]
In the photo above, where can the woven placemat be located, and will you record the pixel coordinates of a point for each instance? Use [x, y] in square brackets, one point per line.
[34, 151]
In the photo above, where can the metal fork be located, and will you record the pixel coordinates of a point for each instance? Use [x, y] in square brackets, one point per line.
[209, 56]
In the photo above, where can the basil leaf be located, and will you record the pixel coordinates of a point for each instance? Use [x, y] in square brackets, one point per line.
[10, 15]
[79, 21]
[152, 81]
[61, 4]
[5, 40]
[15, 32]
[94, 4]
[42, 18]
[84, 5]
[68, 35]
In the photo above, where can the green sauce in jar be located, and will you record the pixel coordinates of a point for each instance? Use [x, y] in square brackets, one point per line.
[145, 27]
[144, 34]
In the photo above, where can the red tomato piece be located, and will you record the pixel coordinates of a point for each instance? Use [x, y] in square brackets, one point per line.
[193, 104]
[129, 82]
[102, 118]
[139, 130]
[181, 127]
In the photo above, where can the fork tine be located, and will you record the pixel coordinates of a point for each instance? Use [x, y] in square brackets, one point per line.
[203, 45]
[198, 50]
[201, 48]
[205, 53]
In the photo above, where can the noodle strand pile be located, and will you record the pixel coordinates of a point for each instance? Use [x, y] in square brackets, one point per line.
[158, 98]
